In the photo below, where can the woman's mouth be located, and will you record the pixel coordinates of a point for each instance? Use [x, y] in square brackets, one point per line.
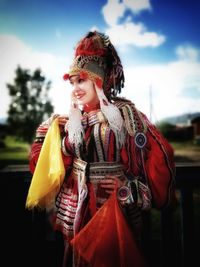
[79, 96]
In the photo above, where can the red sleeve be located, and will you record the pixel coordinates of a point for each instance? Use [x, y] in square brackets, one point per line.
[155, 162]
[160, 169]
[36, 148]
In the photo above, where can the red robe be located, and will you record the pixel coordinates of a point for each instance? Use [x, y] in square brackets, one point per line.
[154, 162]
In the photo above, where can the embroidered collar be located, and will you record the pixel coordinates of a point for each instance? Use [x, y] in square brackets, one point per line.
[93, 117]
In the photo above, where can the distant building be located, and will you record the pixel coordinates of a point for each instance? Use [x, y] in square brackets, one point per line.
[184, 120]
[196, 128]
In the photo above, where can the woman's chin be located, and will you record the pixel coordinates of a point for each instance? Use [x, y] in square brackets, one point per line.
[80, 102]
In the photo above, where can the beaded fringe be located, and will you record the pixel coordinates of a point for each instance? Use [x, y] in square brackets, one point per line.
[75, 127]
[113, 115]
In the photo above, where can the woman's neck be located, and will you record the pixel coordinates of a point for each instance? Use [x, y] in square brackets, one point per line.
[87, 108]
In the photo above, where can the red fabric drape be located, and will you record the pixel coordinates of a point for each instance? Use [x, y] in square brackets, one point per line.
[160, 170]
[107, 241]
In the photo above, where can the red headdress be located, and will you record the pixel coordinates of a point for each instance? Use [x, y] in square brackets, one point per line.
[97, 59]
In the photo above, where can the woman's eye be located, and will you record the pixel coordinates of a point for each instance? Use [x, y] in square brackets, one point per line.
[71, 82]
[80, 80]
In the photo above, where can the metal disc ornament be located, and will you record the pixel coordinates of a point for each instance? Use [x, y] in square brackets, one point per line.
[140, 140]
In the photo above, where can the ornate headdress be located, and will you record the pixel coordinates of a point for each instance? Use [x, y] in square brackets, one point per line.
[96, 59]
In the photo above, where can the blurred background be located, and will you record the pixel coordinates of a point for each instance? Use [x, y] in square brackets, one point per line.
[158, 42]
[159, 45]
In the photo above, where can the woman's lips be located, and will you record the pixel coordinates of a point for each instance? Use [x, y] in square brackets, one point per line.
[79, 96]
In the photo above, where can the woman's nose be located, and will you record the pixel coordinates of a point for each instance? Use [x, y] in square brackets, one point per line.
[76, 89]
[76, 92]
[74, 86]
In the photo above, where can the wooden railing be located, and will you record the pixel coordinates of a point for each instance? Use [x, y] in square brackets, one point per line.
[188, 184]
[177, 243]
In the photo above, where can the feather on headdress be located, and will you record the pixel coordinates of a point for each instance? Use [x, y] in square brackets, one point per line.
[97, 59]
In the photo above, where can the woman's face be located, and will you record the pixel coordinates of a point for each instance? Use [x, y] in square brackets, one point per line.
[83, 92]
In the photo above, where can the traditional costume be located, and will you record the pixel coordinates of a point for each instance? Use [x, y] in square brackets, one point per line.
[115, 139]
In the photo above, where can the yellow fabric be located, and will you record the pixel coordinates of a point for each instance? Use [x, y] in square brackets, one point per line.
[49, 172]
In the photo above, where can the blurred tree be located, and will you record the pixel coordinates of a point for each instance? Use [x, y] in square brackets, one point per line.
[176, 133]
[167, 129]
[30, 104]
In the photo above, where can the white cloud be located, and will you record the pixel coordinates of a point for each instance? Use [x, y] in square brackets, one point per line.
[14, 52]
[168, 84]
[188, 52]
[136, 34]
[113, 11]
[137, 6]
[129, 32]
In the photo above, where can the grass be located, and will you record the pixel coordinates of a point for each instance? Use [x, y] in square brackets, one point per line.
[186, 145]
[186, 151]
[14, 152]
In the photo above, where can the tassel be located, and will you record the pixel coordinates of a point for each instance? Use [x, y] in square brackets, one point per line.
[74, 127]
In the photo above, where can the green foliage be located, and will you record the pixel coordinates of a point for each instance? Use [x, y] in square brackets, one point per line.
[176, 133]
[30, 104]
[166, 129]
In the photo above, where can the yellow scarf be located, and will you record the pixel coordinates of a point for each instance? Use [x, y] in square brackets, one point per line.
[49, 172]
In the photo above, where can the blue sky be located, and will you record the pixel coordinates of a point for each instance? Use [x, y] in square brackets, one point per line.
[158, 42]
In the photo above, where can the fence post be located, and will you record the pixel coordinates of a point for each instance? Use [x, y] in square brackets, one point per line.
[187, 219]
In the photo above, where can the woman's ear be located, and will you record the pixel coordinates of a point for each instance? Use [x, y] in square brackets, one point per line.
[97, 87]
[102, 98]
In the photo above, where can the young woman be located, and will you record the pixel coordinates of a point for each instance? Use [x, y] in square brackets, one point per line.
[117, 164]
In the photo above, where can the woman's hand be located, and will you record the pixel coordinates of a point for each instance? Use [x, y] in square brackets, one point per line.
[111, 183]
[62, 119]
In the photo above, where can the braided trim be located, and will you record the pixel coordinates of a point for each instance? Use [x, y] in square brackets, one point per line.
[98, 142]
[133, 119]
[80, 61]
[105, 135]
[129, 120]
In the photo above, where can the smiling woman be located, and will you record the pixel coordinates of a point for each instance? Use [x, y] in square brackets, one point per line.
[116, 164]
[83, 92]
